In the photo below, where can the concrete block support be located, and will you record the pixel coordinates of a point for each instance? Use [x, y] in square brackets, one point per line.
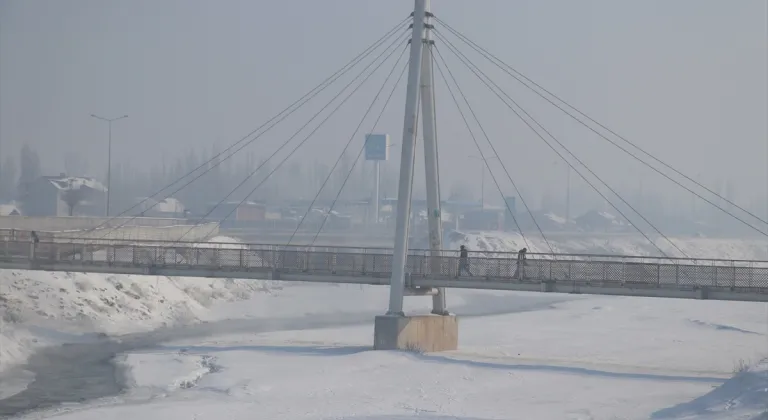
[428, 333]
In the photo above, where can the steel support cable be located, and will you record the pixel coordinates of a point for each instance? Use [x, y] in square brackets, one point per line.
[365, 79]
[311, 95]
[506, 68]
[359, 153]
[477, 72]
[493, 148]
[349, 142]
[482, 155]
[394, 43]
[437, 148]
[416, 125]
[269, 124]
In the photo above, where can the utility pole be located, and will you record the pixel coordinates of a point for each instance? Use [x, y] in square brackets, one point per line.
[376, 193]
[567, 193]
[482, 176]
[109, 157]
[567, 190]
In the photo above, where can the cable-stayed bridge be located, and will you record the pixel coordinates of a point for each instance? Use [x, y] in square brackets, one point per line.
[424, 36]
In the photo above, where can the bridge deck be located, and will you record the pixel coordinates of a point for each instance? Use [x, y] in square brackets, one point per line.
[589, 274]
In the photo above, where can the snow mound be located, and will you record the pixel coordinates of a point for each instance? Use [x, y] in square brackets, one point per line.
[165, 372]
[78, 303]
[745, 396]
[222, 242]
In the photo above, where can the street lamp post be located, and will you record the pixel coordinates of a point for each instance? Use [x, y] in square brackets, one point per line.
[109, 156]
[482, 177]
[567, 193]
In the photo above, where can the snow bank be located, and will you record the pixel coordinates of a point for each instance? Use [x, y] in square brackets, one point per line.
[32, 302]
[745, 396]
[15, 344]
[222, 242]
[613, 244]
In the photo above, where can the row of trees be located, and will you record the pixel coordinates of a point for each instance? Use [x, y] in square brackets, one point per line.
[15, 173]
[212, 178]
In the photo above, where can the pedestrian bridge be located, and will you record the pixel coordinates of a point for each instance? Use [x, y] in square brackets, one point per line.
[737, 280]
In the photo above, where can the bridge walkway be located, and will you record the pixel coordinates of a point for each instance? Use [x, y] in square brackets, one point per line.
[737, 280]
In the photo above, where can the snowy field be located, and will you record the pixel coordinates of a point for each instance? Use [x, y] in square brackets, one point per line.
[585, 358]
[264, 350]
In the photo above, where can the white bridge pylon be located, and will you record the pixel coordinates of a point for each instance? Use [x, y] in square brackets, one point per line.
[420, 91]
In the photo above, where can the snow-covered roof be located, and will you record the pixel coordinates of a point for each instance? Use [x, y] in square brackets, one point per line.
[166, 205]
[324, 212]
[9, 210]
[555, 218]
[76, 183]
[170, 205]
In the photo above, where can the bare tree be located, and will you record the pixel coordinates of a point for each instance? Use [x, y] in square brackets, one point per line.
[73, 197]
[7, 179]
[29, 167]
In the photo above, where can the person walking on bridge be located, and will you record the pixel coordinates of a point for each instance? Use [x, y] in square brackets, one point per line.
[520, 270]
[464, 261]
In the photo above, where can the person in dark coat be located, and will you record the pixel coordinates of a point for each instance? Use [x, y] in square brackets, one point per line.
[520, 270]
[464, 260]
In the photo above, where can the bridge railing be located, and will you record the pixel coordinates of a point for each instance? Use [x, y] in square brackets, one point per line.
[607, 270]
[20, 244]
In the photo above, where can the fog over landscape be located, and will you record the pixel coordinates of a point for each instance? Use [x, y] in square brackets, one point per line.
[200, 214]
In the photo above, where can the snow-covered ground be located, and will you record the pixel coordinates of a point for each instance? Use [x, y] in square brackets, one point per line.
[36, 307]
[80, 302]
[532, 356]
[590, 358]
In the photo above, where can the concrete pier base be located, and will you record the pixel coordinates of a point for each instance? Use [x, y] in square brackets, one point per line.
[428, 333]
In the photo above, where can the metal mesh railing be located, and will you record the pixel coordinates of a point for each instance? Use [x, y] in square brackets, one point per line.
[21, 239]
[636, 272]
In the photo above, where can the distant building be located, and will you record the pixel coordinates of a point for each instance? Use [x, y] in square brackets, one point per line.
[487, 219]
[601, 221]
[329, 220]
[540, 219]
[237, 214]
[63, 196]
[168, 207]
[509, 214]
[9, 210]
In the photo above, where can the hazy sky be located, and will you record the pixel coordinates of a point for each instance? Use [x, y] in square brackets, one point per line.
[685, 79]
